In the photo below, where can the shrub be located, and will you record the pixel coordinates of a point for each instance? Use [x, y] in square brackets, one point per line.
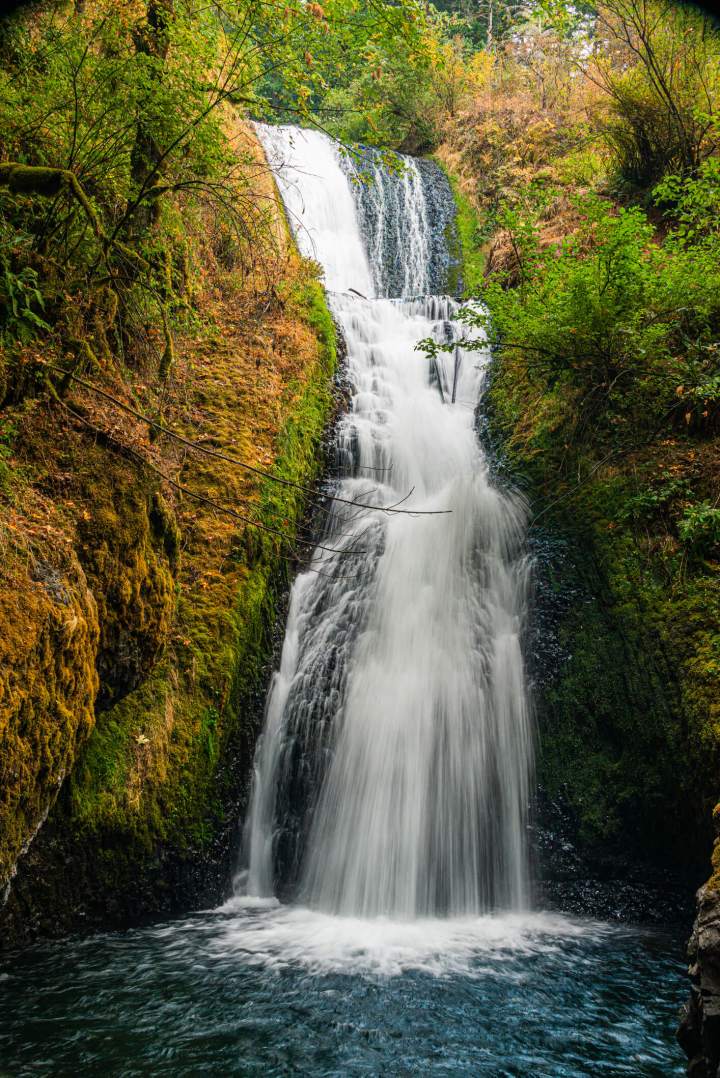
[614, 322]
[659, 62]
[699, 528]
[21, 300]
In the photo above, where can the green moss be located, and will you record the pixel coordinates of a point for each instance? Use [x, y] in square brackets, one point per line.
[165, 528]
[629, 723]
[5, 478]
[47, 686]
[467, 245]
[610, 730]
[127, 543]
[155, 770]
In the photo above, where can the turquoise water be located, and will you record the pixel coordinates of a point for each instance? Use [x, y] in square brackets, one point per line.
[271, 990]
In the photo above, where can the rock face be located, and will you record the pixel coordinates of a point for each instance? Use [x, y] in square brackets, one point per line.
[383, 182]
[47, 689]
[699, 1031]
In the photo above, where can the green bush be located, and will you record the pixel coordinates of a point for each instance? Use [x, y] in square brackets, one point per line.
[580, 168]
[620, 327]
[653, 502]
[20, 297]
[699, 528]
[692, 202]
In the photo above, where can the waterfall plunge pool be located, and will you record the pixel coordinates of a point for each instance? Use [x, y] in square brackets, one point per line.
[256, 988]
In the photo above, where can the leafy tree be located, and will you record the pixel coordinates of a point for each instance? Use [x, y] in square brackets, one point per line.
[485, 23]
[127, 109]
[403, 94]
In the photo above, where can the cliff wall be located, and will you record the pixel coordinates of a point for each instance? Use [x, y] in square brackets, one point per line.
[141, 584]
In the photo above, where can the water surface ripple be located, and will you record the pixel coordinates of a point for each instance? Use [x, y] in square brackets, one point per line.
[264, 989]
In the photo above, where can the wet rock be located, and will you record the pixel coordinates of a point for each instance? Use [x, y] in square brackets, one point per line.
[604, 883]
[699, 1029]
[380, 192]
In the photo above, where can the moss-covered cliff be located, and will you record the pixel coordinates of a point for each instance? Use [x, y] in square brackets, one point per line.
[138, 611]
[48, 683]
[623, 642]
[621, 653]
[172, 622]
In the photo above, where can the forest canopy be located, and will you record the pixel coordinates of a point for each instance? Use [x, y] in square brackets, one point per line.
[121, 121]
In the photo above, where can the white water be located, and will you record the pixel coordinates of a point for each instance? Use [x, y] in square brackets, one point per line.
[263, 932]
[392, 777]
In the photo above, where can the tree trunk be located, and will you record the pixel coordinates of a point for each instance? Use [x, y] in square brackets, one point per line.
[152, 39]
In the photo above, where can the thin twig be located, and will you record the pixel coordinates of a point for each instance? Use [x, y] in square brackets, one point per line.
[234, 460]
[202, 497]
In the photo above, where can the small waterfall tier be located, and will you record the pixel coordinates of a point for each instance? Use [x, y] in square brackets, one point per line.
[415, 194]
[392, 776]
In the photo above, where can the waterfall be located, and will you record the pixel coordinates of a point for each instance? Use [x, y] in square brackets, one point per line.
[392, 776]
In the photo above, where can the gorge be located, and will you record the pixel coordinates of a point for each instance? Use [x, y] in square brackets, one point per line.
[383, 916]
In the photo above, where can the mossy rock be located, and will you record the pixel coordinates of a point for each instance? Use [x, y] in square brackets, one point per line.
[48, 684]
[627, 714]
[149, 813]
[127, 542]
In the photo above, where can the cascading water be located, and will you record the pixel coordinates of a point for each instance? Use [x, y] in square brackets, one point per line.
[393, 772]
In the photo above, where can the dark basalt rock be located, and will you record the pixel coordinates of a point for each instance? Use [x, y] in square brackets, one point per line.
[380, 192]
[607, 884]
[699, 1029]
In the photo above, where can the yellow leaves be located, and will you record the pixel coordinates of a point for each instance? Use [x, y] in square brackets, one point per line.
[480, 67]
